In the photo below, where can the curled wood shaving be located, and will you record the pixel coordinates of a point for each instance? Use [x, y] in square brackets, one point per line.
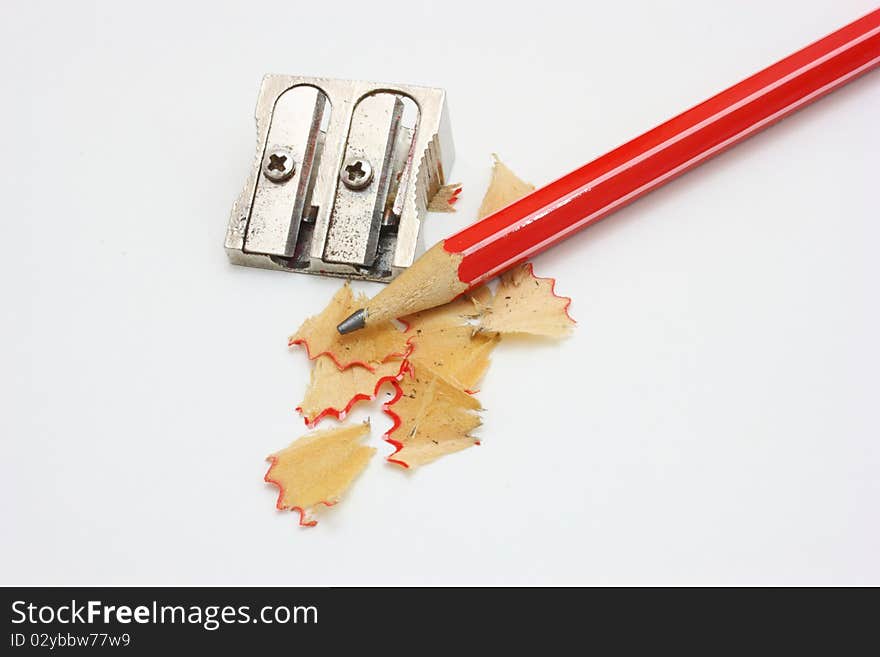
[504, 188]
[524, 303]
[444, 199]
[445, 340]
[333, 392]
[317, 468]
[366, 348]
[432, 418]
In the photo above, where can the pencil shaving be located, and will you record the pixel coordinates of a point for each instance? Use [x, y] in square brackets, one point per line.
[366, 348]
[318, 468]
[505, 187]
[444, 340]
[445, 198]
[527, 304]
[333, 392]
[480, 297]
[432, 418]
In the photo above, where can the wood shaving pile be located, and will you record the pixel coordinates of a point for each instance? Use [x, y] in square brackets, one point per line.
[434, 365]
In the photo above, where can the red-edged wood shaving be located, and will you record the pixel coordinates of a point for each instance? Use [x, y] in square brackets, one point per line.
[445, 198]
[372, 345]
[445, 339]
[526, 304]
[333, 392]
[432, 418]
[317, 468]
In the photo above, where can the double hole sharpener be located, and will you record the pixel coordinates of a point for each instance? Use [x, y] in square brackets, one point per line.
[342, 178]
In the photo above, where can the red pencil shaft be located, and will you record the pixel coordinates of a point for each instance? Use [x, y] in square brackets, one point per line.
[584, 196]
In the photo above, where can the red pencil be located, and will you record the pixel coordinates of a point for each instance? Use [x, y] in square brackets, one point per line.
[555, 211]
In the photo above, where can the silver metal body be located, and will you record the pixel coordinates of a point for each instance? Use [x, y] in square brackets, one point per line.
[342, 177]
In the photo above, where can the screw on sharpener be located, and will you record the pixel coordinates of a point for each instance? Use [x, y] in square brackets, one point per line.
[279, 165]
[344, 173]
[356, 173]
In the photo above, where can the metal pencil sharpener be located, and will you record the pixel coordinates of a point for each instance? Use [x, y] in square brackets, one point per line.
[342, 177]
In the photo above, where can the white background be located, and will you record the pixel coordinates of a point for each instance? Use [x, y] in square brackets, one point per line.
[714, 418]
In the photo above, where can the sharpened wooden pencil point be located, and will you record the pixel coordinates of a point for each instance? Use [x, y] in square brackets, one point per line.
[431, 281]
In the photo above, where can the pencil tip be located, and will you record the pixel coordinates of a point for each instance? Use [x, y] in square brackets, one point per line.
[357, 320]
